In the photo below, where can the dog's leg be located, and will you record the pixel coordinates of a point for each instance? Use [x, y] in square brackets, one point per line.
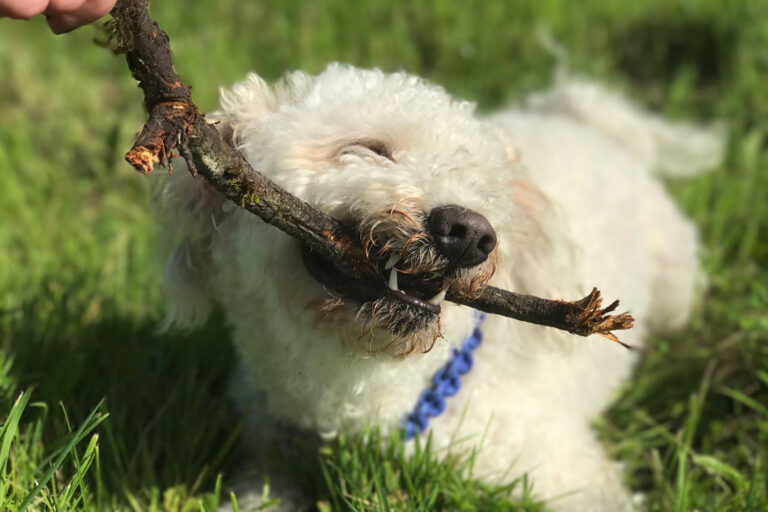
[556, 448]
[576, 475]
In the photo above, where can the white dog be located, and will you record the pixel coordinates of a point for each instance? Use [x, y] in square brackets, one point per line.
[549, 198]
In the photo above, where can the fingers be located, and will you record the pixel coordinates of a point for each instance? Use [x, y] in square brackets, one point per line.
[22, 9]
[86, 12]
[63, 15]
[26, 9]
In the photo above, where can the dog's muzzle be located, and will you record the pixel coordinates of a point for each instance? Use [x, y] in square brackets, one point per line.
[416, 265]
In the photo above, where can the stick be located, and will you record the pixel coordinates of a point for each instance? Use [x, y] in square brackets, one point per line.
[175, 125]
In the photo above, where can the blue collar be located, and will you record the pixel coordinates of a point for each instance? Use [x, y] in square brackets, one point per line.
[445, 383]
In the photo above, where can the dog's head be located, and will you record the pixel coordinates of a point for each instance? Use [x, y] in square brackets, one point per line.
[432, 192]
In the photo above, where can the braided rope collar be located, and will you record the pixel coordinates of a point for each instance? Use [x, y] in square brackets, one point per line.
[445, 383]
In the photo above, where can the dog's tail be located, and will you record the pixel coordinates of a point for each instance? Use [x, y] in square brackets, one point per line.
[671, 148]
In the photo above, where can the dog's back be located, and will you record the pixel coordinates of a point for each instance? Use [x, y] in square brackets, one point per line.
[600, 157]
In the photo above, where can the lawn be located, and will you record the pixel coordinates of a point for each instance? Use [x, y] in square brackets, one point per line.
[100, 412]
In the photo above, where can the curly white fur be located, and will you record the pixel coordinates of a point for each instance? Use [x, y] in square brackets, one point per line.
[567, 179]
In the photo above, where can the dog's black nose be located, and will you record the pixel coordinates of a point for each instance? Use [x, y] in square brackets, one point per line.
[465, 237]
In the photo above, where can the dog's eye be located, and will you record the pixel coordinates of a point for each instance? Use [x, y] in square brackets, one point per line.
[374, 146]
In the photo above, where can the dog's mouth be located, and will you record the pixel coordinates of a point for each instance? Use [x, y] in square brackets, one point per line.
[420, 293]
[405, 296]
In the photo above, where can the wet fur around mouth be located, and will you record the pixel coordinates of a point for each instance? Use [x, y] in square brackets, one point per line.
[407, 309]
[397, 242]
[405, 298]
[411, 312]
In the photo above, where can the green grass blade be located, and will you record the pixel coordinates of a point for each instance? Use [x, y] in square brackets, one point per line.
[9, 432]
[91, 422]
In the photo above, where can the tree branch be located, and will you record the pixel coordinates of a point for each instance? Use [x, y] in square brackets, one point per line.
[175, 125]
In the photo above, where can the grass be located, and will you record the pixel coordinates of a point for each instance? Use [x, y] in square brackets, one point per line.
[99, 412]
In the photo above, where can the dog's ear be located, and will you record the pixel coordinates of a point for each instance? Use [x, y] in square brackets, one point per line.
[189, 212]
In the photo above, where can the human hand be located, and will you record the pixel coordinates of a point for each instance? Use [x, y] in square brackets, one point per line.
[62, 15]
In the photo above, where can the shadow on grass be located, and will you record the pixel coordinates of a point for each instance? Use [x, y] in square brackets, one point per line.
[658, 46]
[663, 45]
[170, 422]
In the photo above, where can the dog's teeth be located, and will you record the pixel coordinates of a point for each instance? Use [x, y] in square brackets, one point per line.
[440, 297]
[393, 279]
[391, 262]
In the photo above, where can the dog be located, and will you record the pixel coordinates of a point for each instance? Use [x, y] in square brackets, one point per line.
[550, 197]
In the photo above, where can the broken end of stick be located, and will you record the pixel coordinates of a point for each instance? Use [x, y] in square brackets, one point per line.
[594, 319]
[615, 323]
[165, 132]
[142, 158]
